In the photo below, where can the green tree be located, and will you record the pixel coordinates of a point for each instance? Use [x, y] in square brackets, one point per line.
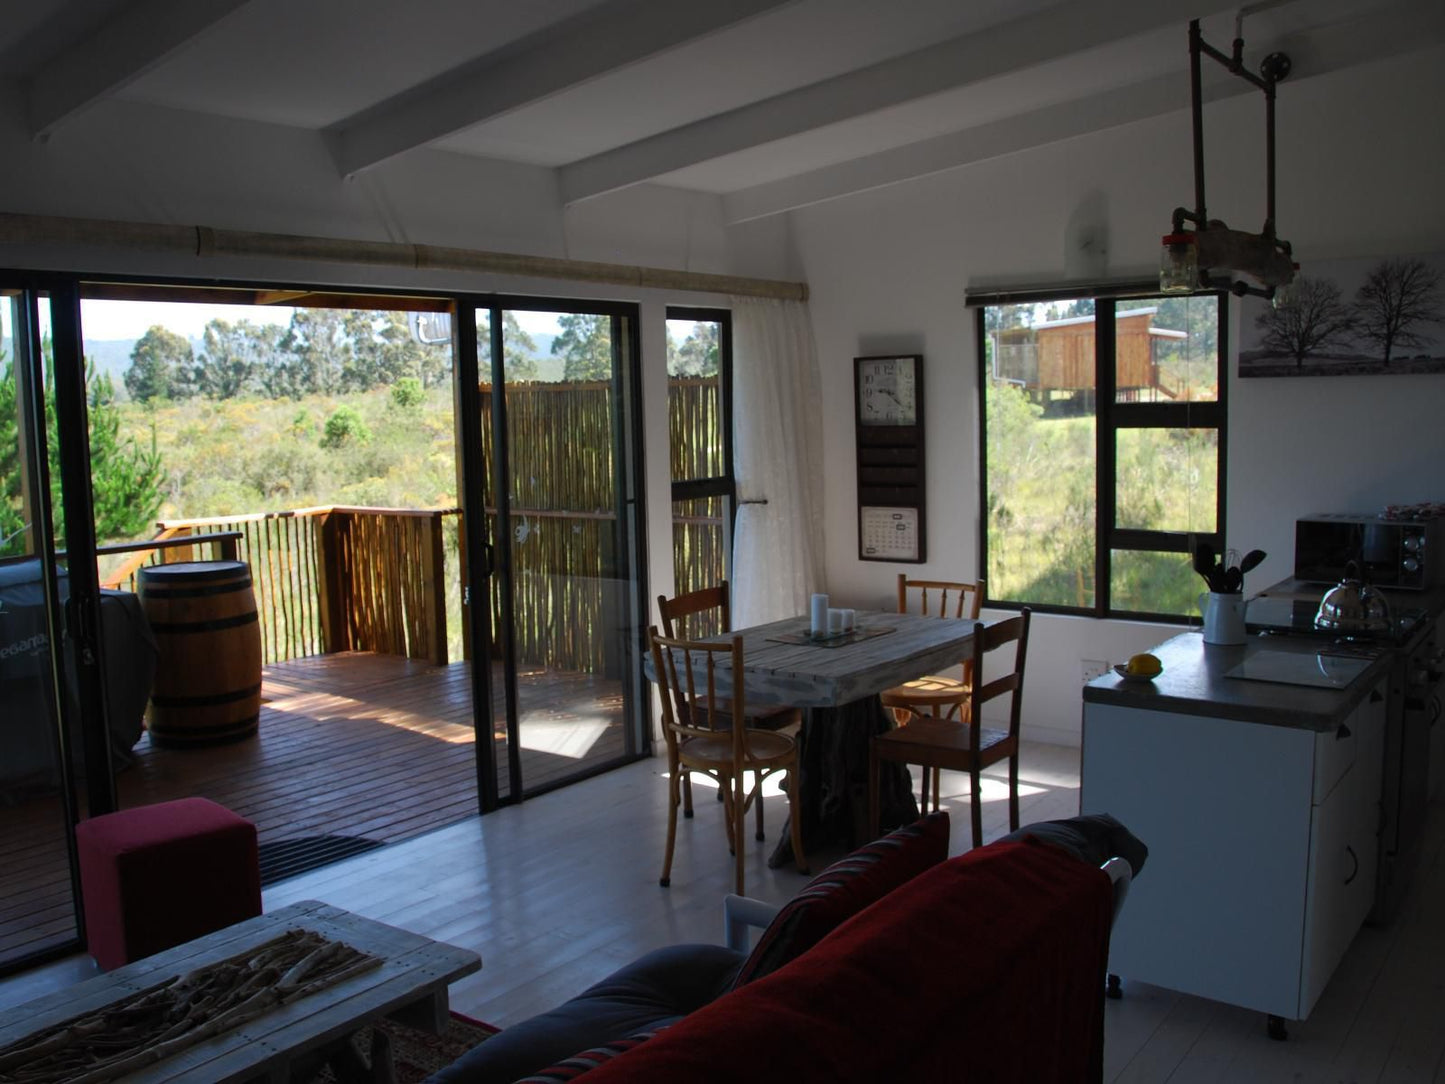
[585, 344]
[318, 349]
[125, 478]
[696, 355]
[519, 350]
[159, 365]
[234, 357]
[383, 351]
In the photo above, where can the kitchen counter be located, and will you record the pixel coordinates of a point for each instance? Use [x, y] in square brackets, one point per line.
[1193, 683]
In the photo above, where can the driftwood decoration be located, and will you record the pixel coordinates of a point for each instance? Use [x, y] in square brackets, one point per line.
[157, 1023]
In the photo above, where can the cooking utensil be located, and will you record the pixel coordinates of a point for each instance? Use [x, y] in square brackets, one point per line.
[1353, 607]
[1252, 560]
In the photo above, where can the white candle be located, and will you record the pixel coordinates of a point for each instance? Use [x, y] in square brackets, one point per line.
[819, 615]
[835, 621]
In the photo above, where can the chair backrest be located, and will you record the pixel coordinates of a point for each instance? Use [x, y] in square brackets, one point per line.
[939, 598]
[687, 673]
[696, 614]
[1014, 630]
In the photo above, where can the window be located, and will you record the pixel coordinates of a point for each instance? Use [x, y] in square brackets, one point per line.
[699, 414]
[1103, 449]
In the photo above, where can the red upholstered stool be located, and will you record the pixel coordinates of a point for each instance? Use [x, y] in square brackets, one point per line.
[162, 874]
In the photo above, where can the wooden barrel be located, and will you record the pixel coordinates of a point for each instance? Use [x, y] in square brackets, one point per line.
[208, 677]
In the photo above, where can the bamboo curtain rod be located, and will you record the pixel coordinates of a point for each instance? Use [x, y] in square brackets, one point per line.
[204, 241]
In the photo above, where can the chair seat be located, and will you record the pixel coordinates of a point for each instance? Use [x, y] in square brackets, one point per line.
[924, 734]
[759, 716]
[933, 691]
[762, 747]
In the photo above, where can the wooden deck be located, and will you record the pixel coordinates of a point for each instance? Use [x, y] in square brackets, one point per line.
[367, 749]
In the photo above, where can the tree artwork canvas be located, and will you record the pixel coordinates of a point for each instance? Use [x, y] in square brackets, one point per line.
[1350, 318]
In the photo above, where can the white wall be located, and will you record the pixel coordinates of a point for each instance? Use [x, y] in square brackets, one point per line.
[1361, 159]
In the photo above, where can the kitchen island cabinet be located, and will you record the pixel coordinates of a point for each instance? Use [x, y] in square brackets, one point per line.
[1260, 805]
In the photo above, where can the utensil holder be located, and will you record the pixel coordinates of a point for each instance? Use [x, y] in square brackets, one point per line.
[1223, 617]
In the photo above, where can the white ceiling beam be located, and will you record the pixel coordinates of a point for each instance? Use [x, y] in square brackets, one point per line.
[1058, 32]
[1383, 34]
[139, 37]
[603, 39]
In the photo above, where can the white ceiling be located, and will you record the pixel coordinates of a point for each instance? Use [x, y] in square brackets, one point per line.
[770, 104]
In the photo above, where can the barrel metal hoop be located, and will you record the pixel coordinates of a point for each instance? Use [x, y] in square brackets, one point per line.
[162, 592]
[205, 701]
[180, 627]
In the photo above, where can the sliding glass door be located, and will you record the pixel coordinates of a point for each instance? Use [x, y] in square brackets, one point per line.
[562, 487]
[49, 683]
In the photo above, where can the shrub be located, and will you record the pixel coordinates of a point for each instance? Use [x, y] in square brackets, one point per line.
[407, 394]
[345, 427]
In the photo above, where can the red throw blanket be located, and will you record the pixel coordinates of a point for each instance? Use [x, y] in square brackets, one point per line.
[989, 967]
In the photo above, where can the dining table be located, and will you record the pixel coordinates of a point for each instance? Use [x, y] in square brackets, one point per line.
[837, 681]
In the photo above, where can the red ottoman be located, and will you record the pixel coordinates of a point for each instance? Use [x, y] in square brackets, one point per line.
[162, 874]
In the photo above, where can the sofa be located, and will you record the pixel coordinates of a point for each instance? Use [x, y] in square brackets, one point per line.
[894, 963]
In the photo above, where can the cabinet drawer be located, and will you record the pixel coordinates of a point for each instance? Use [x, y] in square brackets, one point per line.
[1334, 753]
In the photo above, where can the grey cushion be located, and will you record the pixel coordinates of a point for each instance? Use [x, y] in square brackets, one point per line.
[655, 989]
[1094, 838]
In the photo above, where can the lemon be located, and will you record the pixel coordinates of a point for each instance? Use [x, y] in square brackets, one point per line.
[1144, 665]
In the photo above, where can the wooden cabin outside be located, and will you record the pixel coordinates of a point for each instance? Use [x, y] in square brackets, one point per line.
[1056, 358]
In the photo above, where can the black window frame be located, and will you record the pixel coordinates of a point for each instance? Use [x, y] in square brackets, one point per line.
[1110, 418]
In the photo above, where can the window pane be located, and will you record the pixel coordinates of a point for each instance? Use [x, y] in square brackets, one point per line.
[1167, 350]
[1039, 400]
[694, 400]
[1161, 583]
[699, 549]
[1166, 479]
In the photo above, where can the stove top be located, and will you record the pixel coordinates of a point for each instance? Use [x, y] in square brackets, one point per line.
[1294, 614]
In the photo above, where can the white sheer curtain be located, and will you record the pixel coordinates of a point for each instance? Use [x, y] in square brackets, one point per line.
[777, 461]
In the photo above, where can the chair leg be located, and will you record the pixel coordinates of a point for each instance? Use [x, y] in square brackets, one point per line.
[937, 787]
[795, 817]
[976, 800]
[1013, 793]
[687, 795]
[739, 801]
[725, 790]
[758, 801]
[674, 794]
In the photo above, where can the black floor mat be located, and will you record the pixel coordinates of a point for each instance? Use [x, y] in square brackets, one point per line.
[284, 858]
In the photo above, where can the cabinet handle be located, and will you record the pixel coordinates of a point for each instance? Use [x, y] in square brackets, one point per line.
[1342, 733]
[1355, 859]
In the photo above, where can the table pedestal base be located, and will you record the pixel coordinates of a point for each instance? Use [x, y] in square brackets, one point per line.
[833, 781]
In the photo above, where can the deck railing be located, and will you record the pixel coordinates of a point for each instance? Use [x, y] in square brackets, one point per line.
[330, 579]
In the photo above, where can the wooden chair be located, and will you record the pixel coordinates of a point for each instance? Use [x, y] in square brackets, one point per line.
[964, 744]
[936, 694]
[686, 676]
[703, 613]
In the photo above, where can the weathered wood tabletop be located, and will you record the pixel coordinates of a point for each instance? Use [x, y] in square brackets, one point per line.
[815, 676]
[410, 985]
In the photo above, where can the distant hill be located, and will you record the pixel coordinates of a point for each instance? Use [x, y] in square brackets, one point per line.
[111, 356]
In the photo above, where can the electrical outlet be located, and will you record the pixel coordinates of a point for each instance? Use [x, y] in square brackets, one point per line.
[1094, 668]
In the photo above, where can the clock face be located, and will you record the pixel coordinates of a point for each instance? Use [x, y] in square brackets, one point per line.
[887, 391]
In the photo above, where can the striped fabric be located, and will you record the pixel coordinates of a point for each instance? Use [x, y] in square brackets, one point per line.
[845, 888]
[573, 1067]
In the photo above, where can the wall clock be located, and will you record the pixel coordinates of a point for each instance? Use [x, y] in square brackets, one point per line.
[888, 423]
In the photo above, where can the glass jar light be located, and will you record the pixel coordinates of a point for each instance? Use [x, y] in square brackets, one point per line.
[1179, 264]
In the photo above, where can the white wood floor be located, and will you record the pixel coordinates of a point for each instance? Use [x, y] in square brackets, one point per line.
[559, 891]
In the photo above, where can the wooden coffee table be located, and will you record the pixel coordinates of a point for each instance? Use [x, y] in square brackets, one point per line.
[410, 986]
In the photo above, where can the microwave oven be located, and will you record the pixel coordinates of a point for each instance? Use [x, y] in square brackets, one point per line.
[1404, 554]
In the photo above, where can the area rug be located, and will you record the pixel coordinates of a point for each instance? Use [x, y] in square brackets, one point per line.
[416, 1054]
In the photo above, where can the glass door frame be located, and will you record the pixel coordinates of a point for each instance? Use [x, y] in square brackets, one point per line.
[631, 508]
[74, 623]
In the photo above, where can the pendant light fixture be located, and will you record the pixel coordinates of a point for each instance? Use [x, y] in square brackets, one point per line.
[1201, 253]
